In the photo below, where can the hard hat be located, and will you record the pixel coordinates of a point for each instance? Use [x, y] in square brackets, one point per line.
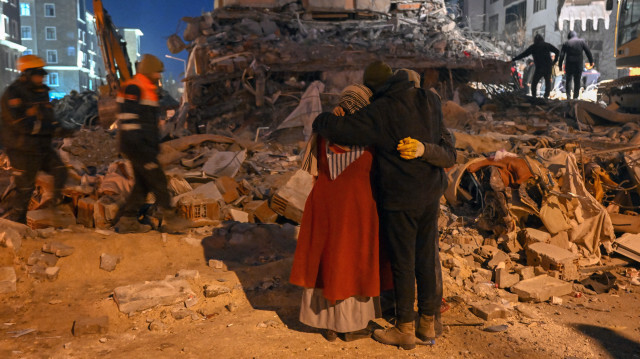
[27, 62]
[150, 65]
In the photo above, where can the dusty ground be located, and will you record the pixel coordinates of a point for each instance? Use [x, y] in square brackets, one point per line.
[265, 325]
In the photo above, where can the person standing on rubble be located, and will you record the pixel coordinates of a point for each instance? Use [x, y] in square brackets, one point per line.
[28, 125]
[572, 50]
[541, 52]
[404, 125]
[139, 143]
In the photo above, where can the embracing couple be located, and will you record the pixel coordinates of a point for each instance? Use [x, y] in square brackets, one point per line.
[379, 160]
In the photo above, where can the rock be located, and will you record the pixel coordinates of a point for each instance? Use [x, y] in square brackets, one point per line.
[138, 297]
[486, 274]
[191, 301]
[541, 288]
[228, 188]
[21, 229]
[102, 340]
[46, 232]
[86, 207]
[217, 265]
[238, 215]
[561, 240]
[188, 274]
[44, 259]
[556, 300]
[214, 290]
[551, 257]
[527, 311]
[488, 311]
[90, 325]
[509, 297]
[526, 272]
[10, 238]
[531, 235]
[497, 258]
[504, 279]
[231, 307]
[108, 262]
[61, 217]
[180, 313]
[7, 280]
[156, 326]
[259, 210]
[57, 248]
[39, 271]
[52, 273]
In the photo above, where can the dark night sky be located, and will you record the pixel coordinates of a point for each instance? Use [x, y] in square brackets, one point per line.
[157, 19]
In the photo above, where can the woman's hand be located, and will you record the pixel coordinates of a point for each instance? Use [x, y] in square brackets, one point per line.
[338, 111]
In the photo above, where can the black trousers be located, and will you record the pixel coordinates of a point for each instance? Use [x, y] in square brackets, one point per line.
[26, 166]
[574, 75]
[411, 239]
[541, 73]
[149, 178]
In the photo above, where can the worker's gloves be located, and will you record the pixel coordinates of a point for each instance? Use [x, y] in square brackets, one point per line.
[410, 148]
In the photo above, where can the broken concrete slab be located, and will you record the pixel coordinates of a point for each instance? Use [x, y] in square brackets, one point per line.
[526, 272]
[504, 279]
[57, 248]
[214, 290]
[217, 265]
[61, 217]
[498, 257]
[140, 296]
[555, 258]
[39, 271]
[228, 189]
[489, 311]
[10, 238]
[529, 236]
[22, 229]
[90, 325]
[541, 288]
[290, 199]
[260, 211]
[628, 245]
[222, 164]
[7, 280]
[238, 215]
[188, 274]
[45, 259]
[109, 262]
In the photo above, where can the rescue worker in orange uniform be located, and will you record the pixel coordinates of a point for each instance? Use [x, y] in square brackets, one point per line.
[139, 143]
[28, 126]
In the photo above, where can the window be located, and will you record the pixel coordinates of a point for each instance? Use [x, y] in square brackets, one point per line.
[25, 9]
[5, 22]
[28, 52]
[52, 79]
[26, 32]
[50, 32]
[15, 29]
[538, 30]
[14, 2]
[49, 10]
[493, 24]
[516, 14]
[539, 5]
[71, 51]
[52, 56]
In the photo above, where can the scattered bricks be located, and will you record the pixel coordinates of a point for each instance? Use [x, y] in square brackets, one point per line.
[140, 296]
[61, 217]
[504, 279]
[289, 200]
[195, 208]
[529, 236]
[238, 215]
[538, 270]
[556, 300]
[526, 272]
[188, 274]
[214, 290]
[228, 188]
[44, 259]
[561, 240]
[487, 251]
[512, 245]
[259, 210]
[7, 280]
[191, 301]
[57, 248]
[217, 265]
[541, 288]
[551, 257]
[488, 311]
[498, 257]
[90, 325]
[108, 262]
[86, 206]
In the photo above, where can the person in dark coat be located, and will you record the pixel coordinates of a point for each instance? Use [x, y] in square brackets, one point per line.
[572, 52]
[404, 126]
[541, 52]
[28, 125]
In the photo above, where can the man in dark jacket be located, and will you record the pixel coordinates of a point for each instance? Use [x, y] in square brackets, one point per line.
[28, 124]
[140, 144]
[572, 51]
[409, 191]
[541, 52]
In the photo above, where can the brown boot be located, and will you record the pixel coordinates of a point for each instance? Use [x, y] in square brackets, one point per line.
[426, 333]
[401, 335]
[172, 223]
[130, 225]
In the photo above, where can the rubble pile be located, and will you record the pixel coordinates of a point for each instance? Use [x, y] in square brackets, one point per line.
[77, 110]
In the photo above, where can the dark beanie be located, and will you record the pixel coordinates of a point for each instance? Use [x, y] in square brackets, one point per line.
[376, 74]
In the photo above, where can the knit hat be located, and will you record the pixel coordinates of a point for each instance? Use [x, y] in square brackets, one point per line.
[412, 76]
[376, 74]
[355, 97]
[150, 65]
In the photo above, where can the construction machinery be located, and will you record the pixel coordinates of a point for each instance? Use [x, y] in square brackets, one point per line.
[116, 62]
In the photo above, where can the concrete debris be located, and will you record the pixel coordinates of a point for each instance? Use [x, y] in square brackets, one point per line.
[40, 258]
[108, 262]
[541, 288]
[214, 290]
[138, 297]
[489, 311]
[554, 258]
[7, 280]
[57, 248]
[90, 325]
[58, 218]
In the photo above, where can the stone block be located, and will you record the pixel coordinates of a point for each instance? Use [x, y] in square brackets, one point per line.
[488, 311]
[44, 259]
[57, 248]
[529, 236]
[109, 262]
[498, 257]
[555, 258]
[561, 240]
[290, 199]
[214, 290]
[238, 215]
[104, 212]
[526, 272]
[188, 274]
[86, 206]
[61, 217]
[228, 189]
[7, 280]
[90, 325]
[39, 271]
[556, 300]
[509, 297]
[10, 238]
[541, 288]
[218, 265]
[504, 279]
[140, 296]
[191, 301]
[260, 211]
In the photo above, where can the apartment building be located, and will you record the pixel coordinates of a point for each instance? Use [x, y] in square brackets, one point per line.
[132, 38]
[518, 21]
[10, 44]
[63, 33]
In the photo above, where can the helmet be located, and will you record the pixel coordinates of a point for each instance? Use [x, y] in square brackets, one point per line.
[27, 62]
[150, 65]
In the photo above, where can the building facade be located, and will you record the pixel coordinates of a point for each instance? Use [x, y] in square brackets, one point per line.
[518, 21]
[63, 34]
[132, 38]
[10, 43]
